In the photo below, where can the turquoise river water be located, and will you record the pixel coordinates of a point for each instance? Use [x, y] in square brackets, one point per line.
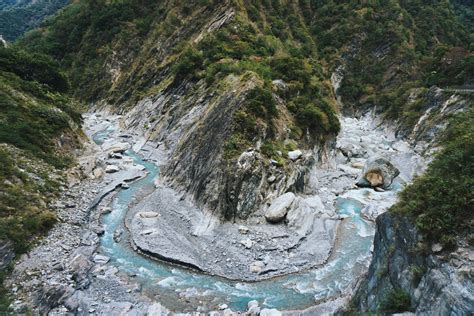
[181, 289]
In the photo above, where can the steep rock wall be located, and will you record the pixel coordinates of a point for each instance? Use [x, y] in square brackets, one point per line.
[435, 284]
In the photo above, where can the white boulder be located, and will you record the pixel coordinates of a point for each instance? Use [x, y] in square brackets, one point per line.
[295, 154]
[111, 169]
[279, 207]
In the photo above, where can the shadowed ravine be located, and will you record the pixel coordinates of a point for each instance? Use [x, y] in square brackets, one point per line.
[349, 259]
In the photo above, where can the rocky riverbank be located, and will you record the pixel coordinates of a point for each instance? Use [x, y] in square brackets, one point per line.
[293, 232]
[65, 272]
[68, 271]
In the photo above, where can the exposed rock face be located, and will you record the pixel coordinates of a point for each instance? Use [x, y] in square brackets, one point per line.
[438, 105]
[378, 172]
[191, 132]
[435, 285]
[279, 207]
[6, 253]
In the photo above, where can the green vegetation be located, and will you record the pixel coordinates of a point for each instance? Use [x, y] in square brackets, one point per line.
[397, 301]
[34, 115]
[84, 35]
[33, 111]
[37, 122]
[27, 185]
[441, 201]
[390, 48]
[465, 11]
[19, 16]
[245, 49]
[23, 200]
[394, 46]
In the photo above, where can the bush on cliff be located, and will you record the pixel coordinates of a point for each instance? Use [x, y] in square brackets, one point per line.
[441, 201]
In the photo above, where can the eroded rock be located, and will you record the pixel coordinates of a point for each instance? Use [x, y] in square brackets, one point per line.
[279, 207]
[295, 154]
[378, 172]
[111, 169]
[257, 266]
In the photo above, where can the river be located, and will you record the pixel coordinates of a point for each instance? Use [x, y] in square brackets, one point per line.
[166, 282]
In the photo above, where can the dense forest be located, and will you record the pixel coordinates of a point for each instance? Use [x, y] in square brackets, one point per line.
[20, 16]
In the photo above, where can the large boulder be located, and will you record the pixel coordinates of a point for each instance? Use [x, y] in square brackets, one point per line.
[279, 207]
[112, 169]
[301, 216]
[115, 147]
[79, 267]
[377, 172]
[295, 154]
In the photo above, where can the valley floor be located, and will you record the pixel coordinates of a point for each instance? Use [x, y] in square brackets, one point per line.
[90, 262]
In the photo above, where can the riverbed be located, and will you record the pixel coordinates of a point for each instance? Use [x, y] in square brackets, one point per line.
[183, 289]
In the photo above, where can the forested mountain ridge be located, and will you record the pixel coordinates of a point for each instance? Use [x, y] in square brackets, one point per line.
[38, 133]
[20, 16]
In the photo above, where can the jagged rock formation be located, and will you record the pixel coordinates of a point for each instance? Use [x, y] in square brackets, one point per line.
[408, 277]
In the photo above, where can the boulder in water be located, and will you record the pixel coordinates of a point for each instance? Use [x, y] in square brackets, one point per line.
[252, 308]
[115, 147]
[279, 207]
[378, 172]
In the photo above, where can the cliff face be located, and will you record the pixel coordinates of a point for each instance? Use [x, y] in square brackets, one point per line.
[405, 276]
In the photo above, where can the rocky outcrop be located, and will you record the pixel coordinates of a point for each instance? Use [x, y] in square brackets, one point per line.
[189, 138]
[6, 253]
[437, 105]
[378, 172]
[403, 266]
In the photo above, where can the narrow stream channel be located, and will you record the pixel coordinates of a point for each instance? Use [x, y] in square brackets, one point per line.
[182, 289]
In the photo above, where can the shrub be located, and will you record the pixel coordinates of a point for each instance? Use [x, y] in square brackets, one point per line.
[261, 103]
[396, 301]
[33, 67]
[189, 62]
[441, 201]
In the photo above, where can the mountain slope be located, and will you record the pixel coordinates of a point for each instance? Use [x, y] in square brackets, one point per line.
[239, 99]
[18, 17]
[38, 131]
[270, 62]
